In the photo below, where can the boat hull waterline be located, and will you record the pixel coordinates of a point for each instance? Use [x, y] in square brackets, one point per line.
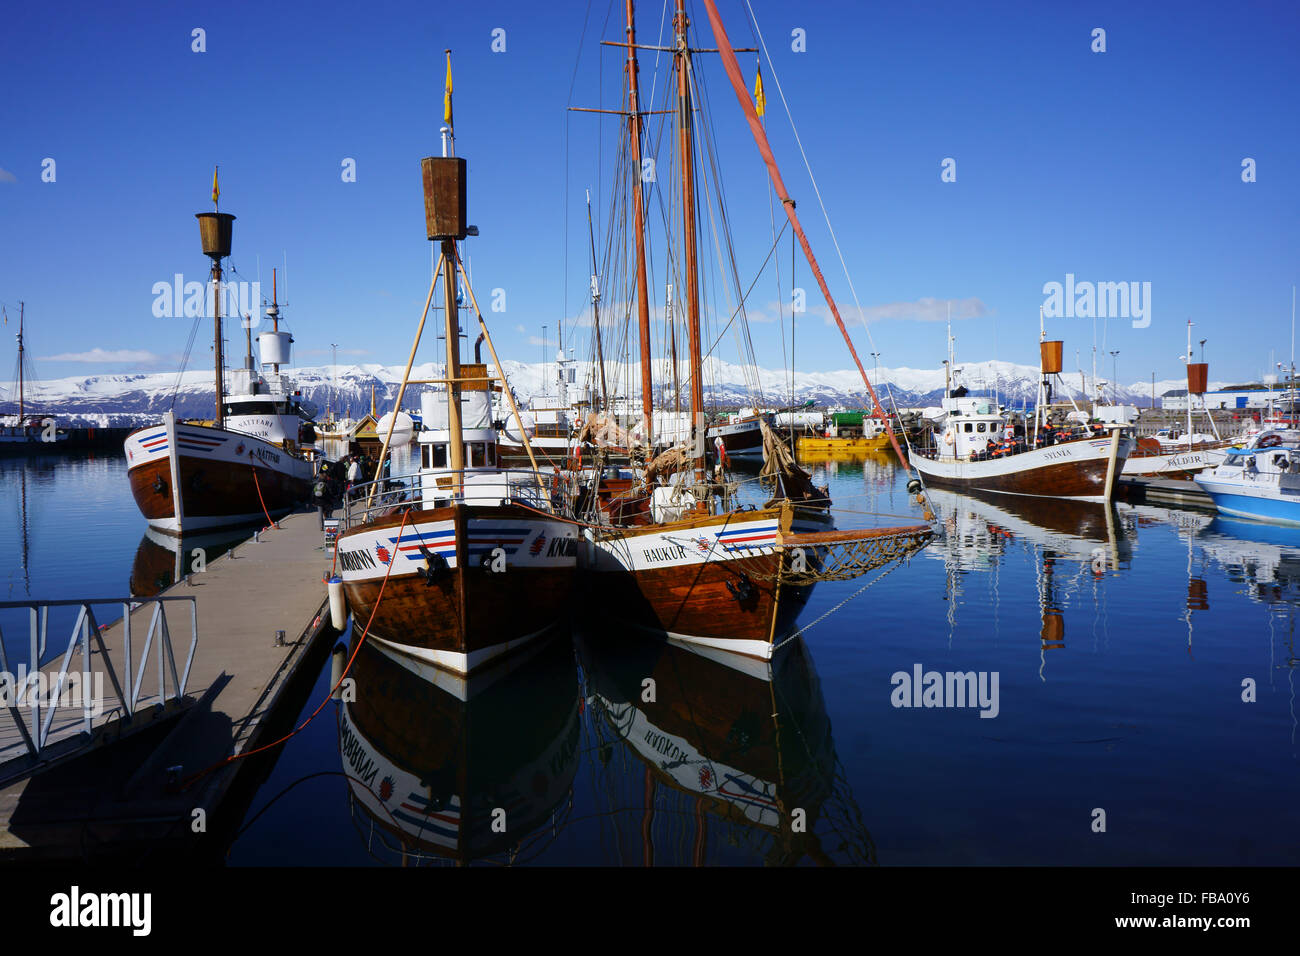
[187, 477]
[473, 582]
[1085, 470]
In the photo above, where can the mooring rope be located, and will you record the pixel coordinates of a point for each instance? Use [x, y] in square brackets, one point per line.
[189, 782]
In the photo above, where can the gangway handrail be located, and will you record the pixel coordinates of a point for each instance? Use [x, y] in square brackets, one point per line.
[85, 630]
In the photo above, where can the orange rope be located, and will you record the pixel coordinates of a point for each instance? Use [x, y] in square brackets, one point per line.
[258, 486]
[361, 640]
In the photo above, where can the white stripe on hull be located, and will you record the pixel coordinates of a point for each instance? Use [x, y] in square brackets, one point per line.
[455, 661]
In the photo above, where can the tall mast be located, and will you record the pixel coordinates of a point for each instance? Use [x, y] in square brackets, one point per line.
[595, 308]
[456, 458]
[273, 313]
[642, 293]
[21, 408]
[686, 148]
[215, 231]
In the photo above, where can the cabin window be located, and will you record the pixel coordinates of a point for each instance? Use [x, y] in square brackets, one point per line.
[438, 456]
[252, 408]
[980, 428]
[969, 426]
[491, 455]
[474, 454]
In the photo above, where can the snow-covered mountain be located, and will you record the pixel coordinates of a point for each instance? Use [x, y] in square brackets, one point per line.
[140, 397]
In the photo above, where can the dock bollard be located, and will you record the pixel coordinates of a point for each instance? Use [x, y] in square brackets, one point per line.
[279, 639]
[338, 661]
[338, 603]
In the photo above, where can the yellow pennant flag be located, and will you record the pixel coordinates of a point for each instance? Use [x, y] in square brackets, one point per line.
[446, 100]
[216, 193]
[760, 101]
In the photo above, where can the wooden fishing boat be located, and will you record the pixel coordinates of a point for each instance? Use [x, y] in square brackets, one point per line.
[679, 556]
[466, 560]
[245, 465]
[982, 449]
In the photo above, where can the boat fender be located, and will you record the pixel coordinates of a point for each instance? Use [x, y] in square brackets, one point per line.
[914, 486]
[1098, 563]
[338, 603]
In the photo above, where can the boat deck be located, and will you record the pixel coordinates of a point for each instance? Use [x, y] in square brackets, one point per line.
[108, 796]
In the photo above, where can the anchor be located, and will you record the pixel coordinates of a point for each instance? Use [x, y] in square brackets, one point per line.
[435, 566]
[743, 590]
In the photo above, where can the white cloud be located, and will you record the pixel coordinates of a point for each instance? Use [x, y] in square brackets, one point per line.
[331, 352]
[103, 355]
[925, 310]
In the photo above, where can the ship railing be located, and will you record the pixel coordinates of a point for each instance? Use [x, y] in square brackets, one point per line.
[34, 690]
[369, 500]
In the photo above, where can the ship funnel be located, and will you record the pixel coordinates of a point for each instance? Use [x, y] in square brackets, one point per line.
[275, 347]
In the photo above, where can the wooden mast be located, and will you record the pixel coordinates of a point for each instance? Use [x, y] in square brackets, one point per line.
[642, 293]
[595, 309]
[686, 147]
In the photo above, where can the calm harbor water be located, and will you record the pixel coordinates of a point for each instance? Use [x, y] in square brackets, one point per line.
[1120, 640]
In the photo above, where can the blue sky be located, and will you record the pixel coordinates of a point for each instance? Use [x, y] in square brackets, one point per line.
[1117, 166]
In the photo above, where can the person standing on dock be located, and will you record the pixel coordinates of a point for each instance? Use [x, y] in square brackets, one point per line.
[354, 473]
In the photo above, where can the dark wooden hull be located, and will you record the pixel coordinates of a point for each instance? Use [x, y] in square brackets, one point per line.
[225, 478]
[467, 611]
[465, 614]
[214, 490]
[695, 602]
[1064, 480]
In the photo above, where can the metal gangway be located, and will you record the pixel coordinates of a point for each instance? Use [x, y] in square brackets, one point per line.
[50, 709]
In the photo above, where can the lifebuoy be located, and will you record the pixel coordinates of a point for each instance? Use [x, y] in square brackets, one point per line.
[1270, 441]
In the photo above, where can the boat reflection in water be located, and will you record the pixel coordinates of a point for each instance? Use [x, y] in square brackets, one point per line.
[1072, 545]
[1264, 558]
[720, 759]
[163, 559]
[444, 768]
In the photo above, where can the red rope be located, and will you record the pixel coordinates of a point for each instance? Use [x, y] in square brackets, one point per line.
[361, 640]
[258, 486]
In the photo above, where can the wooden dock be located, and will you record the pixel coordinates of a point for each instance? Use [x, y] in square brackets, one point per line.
[1164, 491]
[115, 794]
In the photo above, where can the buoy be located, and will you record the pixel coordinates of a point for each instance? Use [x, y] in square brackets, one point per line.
[914, 486]
[338, 660]
[338, 603]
